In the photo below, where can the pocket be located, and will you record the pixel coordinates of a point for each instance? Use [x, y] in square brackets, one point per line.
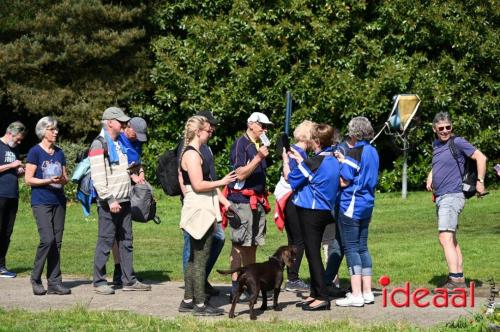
[238, 235]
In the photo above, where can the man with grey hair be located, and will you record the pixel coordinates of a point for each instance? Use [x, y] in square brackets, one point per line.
[109, 172]
[445, 181]
[10, 169]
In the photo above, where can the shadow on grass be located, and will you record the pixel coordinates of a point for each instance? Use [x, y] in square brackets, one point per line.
[439, 280]
[154, 276]
[22, 269]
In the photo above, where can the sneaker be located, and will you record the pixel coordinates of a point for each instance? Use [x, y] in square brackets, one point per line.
[186, 307]
[296, 286]
[58, 289]
[207, 310]
[104, 290]
[351, 301]
[369, 298]
[38, 288]
[210, 290]
[137, 286]
[4, 273]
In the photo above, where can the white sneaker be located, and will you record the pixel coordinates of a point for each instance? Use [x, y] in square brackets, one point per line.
[369, 298]
[351, 301]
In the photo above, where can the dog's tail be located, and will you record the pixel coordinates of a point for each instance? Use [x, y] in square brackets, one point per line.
[238, 270]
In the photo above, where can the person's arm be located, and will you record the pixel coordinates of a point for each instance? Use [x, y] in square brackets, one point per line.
[286, 164]
[480, 159]
[32, 181]
[14, 164]
[192, 161]
[428, 184]
[300, 175]
[244, 172]
[222, 199]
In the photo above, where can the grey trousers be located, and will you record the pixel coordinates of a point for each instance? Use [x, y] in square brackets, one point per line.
[50, 222]
[114, 226]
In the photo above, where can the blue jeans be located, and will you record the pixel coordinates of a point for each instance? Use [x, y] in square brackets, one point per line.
[335, 256]
[354, 235]
[215, 249]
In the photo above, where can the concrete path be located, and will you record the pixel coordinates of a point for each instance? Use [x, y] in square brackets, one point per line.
[165, 297]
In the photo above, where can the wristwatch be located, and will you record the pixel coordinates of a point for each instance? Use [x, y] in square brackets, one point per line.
[480, 180]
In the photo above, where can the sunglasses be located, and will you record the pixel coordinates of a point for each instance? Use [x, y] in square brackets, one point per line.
[263, 125]
[443, 128]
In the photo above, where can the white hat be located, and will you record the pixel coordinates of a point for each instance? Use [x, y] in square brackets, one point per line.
[259, 117]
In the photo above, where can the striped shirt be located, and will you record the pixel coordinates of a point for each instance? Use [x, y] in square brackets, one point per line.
[111, 181]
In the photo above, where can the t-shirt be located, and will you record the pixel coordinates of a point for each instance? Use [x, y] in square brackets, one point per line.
[47, 166]
[446, 176]
[9, 187]
[242, 152]
[358, 198]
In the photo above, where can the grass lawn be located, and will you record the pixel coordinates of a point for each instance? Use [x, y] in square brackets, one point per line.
[403, 241]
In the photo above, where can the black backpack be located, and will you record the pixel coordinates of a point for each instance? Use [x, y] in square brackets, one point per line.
[167, 172]
[469, 176]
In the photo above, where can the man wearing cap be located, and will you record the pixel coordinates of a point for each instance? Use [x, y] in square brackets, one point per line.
[218, 236]
[109, 172]
[248, 195]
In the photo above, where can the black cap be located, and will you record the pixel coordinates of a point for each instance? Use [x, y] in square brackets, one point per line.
[210, 117]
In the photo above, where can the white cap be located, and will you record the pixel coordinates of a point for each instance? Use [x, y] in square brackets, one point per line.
[259, 117]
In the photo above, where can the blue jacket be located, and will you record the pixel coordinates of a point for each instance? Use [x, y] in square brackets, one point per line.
[317, 189]
[357, 199]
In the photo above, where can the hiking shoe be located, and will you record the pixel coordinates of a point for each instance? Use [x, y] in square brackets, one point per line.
[104, 290]
[207, 310]
[4, 273]
[117, 277]
[38, 288]
[369, 298]
[351, 301]
[210, 290]
[335, 292]
[296, 286]
[186, 307]
[58, 289]
[137, 286]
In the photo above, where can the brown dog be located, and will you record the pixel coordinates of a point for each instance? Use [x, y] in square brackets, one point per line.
[263, 277]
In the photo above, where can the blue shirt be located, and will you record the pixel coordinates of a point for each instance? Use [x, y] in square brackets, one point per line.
[132, 149]
[446, 174]
[47, 166]
[9, 187]
[242, 152]
[358, 198]
[316, 190]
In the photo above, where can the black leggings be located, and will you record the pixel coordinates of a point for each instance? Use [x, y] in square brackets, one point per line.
[313, 223]
[8, 211]
[294, 235]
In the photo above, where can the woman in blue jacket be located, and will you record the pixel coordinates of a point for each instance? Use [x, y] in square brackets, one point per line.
[315, 182]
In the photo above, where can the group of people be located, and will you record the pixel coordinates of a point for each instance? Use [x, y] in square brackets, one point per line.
[326, 195]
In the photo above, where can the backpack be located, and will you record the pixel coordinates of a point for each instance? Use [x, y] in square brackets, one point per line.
[167, 172]
[469, 176]
[143, 205]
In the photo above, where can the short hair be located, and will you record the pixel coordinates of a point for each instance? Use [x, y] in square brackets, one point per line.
[16, 128]
[303, 131]
[441, 116]
[360, 128]
[324, 134]
[43, 124]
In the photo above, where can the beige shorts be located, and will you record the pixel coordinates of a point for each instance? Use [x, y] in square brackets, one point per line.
[249, 233]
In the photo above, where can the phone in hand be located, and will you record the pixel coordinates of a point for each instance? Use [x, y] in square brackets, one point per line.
[285, 141]
[265, 141]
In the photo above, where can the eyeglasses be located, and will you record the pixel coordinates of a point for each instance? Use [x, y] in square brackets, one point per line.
[444, 127]
[53, 129]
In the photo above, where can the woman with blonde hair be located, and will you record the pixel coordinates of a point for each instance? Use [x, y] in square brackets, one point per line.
[199, 214]
[46, 174]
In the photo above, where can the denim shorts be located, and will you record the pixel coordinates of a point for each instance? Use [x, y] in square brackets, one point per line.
[448, 207]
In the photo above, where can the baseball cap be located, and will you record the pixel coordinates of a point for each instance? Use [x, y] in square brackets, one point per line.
[210, 117]
[259, 117]
[140, 127]
[115, 113]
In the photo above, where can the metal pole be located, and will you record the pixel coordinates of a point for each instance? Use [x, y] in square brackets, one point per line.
[404, 191]
[288, 112]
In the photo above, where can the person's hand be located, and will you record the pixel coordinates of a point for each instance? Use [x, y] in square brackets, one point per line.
[230, 177]
[56, 179]
[480, 189]
[284, 155]
[340, 157]
[16, 164]
[20, 170]
[263, 152]
[137, 179]
[428, 184]
[294, 154]
[115, 207]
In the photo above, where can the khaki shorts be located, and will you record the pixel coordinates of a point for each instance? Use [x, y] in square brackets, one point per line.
[249, 233]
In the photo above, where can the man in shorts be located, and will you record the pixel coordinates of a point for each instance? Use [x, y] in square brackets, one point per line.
[445, 180]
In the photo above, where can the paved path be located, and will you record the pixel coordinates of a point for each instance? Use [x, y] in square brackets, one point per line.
[164, 299]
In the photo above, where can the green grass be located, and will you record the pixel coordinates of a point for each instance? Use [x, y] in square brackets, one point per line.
[403, 241]
[80, 319]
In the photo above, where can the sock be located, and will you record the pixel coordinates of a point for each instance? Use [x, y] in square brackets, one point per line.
[460, 274]
[188, 301]
[455, 275]
[234, 287]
